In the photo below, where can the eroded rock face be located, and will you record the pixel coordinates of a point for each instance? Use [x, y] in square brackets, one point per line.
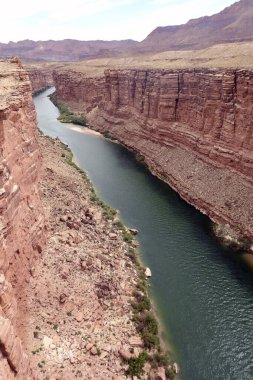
[40, 77]
[193, 127]
[22, 221]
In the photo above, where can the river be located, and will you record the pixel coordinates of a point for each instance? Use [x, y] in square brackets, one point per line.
[204, 294]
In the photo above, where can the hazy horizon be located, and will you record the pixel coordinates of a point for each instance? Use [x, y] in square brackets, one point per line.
[98, 19]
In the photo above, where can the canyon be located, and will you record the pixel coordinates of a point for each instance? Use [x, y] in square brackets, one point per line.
[68, 277]
[41, 76]
[193, 128]
[70, 280]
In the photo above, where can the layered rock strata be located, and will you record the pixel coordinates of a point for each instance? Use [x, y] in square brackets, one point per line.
[40, 77]
[193, 127]
[22, 222]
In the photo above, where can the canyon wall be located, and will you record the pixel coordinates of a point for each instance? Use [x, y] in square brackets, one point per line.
[40, 77]
[193, 128]
[22, 221]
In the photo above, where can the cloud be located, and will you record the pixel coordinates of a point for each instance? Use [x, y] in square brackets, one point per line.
[25, 19]
[83, 8]
[14, 10]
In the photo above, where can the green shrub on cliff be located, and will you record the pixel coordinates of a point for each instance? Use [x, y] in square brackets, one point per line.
[159, 360]
[150, 340]
[108, 135]
[72, 118]
[148, 328]
[127, 236]
[142, 302]
[136, 365]
[109, 212]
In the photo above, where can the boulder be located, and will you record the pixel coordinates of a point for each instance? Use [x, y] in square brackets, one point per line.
[148, 272]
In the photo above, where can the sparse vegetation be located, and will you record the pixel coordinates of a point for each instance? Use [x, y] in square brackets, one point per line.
[158, 360]
[69, 160]
[119, 225]
[37, 350]
[142, 302]
[143, 317]
[136, 365]
[171, 373]
[108, 135]
[133, 256]
[108, 212]
[127, 236]
[67, 116]
[37, 92]
[148, 328]
[150, 340]
[140, 158]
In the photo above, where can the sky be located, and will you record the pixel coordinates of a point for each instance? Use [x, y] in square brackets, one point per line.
[97, 19]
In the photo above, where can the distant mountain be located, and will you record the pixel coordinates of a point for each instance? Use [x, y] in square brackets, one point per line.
[64, 50]
[233, 24]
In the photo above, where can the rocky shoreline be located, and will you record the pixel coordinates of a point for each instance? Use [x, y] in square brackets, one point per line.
[85, 310]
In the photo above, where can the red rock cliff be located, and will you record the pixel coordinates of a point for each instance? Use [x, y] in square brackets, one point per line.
[40, 77]
[194, 128]
[22, 234]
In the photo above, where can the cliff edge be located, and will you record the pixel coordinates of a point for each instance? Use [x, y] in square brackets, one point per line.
[22, 221]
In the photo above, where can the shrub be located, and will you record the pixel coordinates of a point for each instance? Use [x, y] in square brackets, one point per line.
[142, 285]
[136, 365]
[139, 158]
[108, 135]
[108, 212]
[148, 327]
[119, 225]
[171, 373]
[141, 304]
[127, 236]
[150, 340]
[67, 116]
[159, 360]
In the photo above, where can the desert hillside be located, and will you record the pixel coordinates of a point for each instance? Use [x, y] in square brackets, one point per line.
[233, 24]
